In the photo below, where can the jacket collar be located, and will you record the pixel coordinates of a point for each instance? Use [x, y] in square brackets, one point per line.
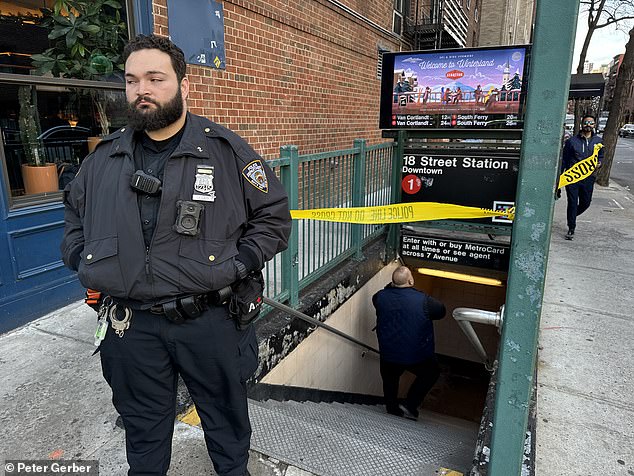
[581, 136]
[193, 143]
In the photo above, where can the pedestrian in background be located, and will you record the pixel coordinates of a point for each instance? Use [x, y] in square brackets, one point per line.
[576, 149]
[165, 213]
[405, 332]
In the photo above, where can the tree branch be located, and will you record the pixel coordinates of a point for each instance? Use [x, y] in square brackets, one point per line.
[613, 20]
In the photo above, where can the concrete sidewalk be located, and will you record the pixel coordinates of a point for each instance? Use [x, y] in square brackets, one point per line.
[55, 403]
[585, 380]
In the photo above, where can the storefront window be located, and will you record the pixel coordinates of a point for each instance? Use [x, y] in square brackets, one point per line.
[47, 132]
[49, 118]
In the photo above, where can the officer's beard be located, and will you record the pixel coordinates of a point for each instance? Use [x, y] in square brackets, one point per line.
[587, 129]
[159, 117]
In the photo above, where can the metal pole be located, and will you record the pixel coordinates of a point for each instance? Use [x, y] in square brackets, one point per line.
[290, 257]
[393, 234]
[550, 66]
[358, 193]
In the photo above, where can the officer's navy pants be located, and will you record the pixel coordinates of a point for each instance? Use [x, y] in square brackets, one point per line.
[579, 197]
[213, 358]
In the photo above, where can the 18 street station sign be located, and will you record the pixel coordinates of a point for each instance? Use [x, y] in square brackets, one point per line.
[472, 178]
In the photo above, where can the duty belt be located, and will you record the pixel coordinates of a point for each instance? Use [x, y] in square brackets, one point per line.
[181, 309]
[190, 307]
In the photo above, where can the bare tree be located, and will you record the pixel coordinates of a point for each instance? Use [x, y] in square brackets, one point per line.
[621, 92]
[601, 13]
[611, 12]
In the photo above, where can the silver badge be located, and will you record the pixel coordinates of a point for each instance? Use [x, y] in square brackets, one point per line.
[204, 185]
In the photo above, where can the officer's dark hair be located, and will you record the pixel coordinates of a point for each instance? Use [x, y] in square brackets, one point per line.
[585, 116]
[161, 43]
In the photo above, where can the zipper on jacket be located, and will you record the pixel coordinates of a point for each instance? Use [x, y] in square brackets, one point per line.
[147, 264]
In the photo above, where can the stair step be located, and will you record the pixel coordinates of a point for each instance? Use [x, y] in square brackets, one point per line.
[355, 418]
[426, 442]
[429, 427]
[327, 452]
[427, 417]
[347, 418]
[344, 418]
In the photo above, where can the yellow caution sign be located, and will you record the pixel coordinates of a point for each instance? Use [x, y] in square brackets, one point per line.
[581, 170]
[399, 213]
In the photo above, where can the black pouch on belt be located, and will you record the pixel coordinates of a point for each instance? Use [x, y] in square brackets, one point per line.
[246, 300]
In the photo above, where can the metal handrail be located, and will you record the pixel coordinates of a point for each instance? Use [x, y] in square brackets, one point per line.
[314, 321]
[464, 316]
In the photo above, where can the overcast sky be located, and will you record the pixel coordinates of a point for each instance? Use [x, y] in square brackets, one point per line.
[605, 44]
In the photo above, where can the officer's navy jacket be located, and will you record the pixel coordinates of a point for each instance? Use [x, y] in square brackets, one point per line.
[578, 148]
[404, 324]
[245, 217]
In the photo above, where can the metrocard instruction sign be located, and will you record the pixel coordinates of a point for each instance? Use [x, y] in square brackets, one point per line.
[456, 252]
[473, 178]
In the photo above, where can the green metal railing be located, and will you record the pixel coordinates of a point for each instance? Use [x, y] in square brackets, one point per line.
[360, 176]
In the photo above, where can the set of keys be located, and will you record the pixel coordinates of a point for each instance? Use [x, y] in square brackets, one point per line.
[110, 310]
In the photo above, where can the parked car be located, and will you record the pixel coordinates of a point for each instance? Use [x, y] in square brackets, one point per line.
[627, 131]
[63, 145]
[61, 142]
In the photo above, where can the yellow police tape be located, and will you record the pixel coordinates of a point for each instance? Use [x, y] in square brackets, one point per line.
[581, 170]
[425, 211]
[399, 213]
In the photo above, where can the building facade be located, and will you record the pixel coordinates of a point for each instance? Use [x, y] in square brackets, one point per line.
[286, 72]
[506, 22]
[610, 82]
[434, 24]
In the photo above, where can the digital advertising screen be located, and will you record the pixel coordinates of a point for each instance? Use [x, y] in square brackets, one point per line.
[482, 88]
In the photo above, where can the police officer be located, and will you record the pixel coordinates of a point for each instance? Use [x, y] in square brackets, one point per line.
[406, 340]
[167, 210]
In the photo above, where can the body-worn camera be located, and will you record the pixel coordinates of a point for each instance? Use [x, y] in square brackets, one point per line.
[188, 217]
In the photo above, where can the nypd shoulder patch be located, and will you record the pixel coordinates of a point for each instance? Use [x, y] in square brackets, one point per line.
[254, 172]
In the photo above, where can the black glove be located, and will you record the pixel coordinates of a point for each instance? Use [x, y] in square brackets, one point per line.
[246, 300]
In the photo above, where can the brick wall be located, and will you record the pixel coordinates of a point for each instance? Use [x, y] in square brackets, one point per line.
[298, 72]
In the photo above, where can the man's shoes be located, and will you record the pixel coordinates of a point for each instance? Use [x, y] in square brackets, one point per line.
[395, 411]
[409, 414]
[570, 235]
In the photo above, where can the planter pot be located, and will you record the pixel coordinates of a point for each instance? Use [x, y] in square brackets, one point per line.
[92, 143]
[40, 178]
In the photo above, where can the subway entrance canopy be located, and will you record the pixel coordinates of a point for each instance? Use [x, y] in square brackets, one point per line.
[586, 85]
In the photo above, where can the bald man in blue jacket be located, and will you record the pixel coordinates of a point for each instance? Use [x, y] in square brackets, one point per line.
[406, 341]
